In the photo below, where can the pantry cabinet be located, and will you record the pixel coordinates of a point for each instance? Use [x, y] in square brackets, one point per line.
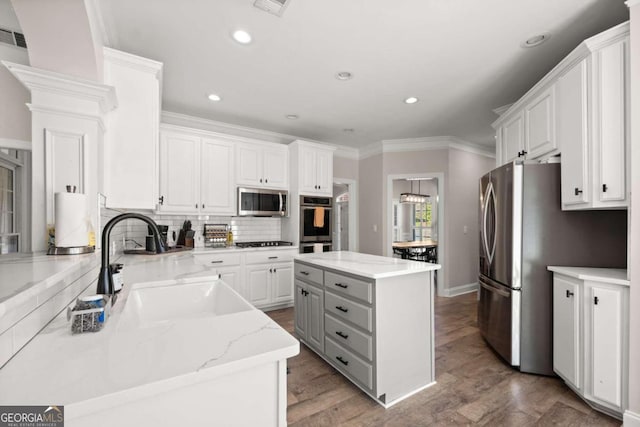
[591, 334]
[312, 167]
[263, 165]
[131, 140]
[196, 174]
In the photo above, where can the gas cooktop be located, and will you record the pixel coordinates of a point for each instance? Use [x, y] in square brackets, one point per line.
[263, 244]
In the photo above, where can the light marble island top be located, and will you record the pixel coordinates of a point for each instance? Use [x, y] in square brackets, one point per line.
[372, 266]
[616, 276]
[94, 371]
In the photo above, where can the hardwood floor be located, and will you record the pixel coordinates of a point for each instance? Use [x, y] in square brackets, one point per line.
[474, 387]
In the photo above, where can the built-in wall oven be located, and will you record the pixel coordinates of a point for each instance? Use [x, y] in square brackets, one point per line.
[315, 221]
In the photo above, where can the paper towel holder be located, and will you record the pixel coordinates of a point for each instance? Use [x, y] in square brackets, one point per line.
[74, 250]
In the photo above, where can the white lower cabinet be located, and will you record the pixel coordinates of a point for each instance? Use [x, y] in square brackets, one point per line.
[590, 337]
[264, 278]
[269, 284]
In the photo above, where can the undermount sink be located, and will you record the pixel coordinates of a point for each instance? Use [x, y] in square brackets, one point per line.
[150, 304]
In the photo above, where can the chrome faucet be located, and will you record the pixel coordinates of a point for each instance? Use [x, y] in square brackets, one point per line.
[105, 279]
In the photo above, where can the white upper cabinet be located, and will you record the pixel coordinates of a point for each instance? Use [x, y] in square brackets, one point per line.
[196, 173]
[513, 138]
[572, 130]
[539, 114]
[131, 140]
[312, 166]
[593, 128]
[263, 165]
[581, 110]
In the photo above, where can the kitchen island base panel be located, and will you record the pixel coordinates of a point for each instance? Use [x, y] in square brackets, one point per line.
[255, 396]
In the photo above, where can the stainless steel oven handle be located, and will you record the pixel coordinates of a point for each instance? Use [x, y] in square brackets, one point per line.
[495, 290]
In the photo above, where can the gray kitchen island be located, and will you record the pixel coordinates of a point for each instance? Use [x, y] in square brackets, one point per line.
[371, 318]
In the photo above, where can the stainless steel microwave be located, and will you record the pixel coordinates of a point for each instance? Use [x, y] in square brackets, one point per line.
[262, 202]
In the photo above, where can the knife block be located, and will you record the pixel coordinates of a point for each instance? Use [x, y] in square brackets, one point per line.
[181, 238]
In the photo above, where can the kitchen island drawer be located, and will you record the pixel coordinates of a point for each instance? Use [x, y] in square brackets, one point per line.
[349, 286]
[353, 312]
[310, 274]
[352, 365]
[351, 338]
[275, 255]
[217, 260]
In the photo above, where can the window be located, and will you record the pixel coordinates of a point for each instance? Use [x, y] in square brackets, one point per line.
[422, 221]
[9, 237]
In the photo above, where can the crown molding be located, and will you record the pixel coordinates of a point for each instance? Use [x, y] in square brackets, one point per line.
[15, 144]
[423, 144]
[50, 82]
[631, 3]
[133, 61]
[238, 132]
[68, 113]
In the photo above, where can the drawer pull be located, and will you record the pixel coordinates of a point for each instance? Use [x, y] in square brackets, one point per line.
[340, 285]
[306, 273]
[341, 360]
[217, 262]
[342, 309]
[342, 335]
[273, 257]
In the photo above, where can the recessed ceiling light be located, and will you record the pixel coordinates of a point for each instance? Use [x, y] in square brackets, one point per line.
[214, 97]
[241, 36]
[411, 100]
[536, 40]
[348, 130]
[292, 116]
[344, 75]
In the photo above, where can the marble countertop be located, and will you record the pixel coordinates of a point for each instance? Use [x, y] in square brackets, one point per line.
[372, 266]
[94, 371]
[617, 276]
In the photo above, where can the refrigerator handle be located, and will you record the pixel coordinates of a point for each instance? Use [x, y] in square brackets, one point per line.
[485, 241]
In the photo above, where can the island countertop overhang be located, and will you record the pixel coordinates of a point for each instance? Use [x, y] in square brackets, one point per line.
[366, 265]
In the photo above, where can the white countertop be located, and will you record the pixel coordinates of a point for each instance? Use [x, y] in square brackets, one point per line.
[617, 276]
[91, 371]
[372, 266]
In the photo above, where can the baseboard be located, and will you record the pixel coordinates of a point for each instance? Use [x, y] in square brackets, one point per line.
[630, 419]
[460, 290]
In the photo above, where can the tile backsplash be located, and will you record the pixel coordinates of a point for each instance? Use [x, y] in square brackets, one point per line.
[131, 234]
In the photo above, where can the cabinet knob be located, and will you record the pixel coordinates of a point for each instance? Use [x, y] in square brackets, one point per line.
[274, 270]
[196, 206]
[203, 206]
[569, 293]
[604, 188]
[271, 270]
[577, 191]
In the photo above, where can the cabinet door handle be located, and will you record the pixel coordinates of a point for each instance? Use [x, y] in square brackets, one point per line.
[273, 257]
[595, 300]
[217, 262]
[604, 188]
[341, 308]
[569, 293]
[274, 270]
[161, 200]
[577, 191]
[260, 180]
[271, 270]
[524, 153]
[266, 180]
[342, 335]
[196, 206]
[306, 273]
[203, 206]
[340, 285]
[341, 360]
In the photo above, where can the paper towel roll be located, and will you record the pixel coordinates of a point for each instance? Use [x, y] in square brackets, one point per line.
[318, 247]
[71, 220]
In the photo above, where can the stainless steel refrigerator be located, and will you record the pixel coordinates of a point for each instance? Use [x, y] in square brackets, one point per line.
[522, 231]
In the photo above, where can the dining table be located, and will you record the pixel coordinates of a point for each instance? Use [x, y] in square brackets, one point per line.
[416, 249]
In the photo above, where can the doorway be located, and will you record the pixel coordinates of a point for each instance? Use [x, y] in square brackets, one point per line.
[415, 213]
[344, 225]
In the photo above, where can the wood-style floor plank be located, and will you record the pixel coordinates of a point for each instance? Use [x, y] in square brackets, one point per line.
[474, 387]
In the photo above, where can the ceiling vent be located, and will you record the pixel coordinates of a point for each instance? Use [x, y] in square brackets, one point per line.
[13, 38]
[275, 7]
